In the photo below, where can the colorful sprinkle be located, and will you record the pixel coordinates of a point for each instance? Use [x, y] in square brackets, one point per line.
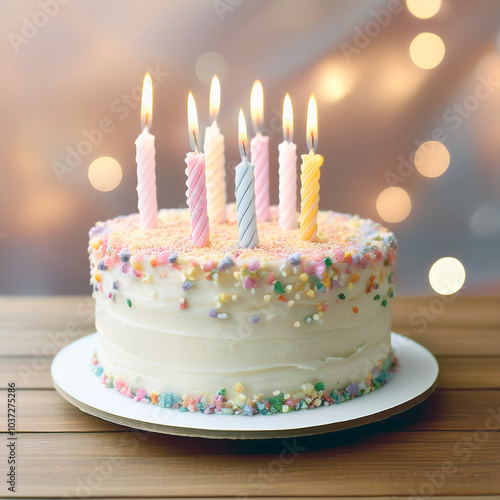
[249, 283]
[295, 258]
[124, 255]
[254, 265]
[95, 243]
[313, 396]
[254, 319]
[225, 263]
[278, 287]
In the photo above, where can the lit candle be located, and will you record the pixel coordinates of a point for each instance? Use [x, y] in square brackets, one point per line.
[145, 158]
[215, 161]
[245, 192]
[196, 183]
[260, 153]
[287, 160]
[311, 163]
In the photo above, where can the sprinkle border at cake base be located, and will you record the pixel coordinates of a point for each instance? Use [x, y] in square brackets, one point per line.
[308, 397]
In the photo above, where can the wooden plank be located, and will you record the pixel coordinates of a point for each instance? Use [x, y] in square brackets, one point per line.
[348, 463]
[410, 313]
[40, 326]
[27, 372]
[469, 372]
[47, 411]
[452, 342]
[46, 342]
[447, 497]
[44, 310]
[468, 326]
[459, 311]
[455, 372]
[455, 342]
[42, 342]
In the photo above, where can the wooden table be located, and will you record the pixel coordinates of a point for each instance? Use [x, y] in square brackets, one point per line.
[441, 447]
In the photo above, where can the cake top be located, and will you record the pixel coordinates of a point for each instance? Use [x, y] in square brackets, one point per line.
[341, 237]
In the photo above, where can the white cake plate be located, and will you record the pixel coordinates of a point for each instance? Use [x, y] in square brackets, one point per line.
[414, 381]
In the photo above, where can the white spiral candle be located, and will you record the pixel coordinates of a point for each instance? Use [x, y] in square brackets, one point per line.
[245, 205]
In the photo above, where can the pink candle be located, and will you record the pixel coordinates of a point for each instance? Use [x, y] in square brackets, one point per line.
[287, 160]
[196, 182]
[145, 158]
[259, 151]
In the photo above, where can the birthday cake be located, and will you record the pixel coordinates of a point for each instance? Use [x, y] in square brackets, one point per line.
[287, 325]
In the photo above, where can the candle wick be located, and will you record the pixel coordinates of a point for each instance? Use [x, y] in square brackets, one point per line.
[195, 143]
[244, 149]
[312, 142]
[146, 122]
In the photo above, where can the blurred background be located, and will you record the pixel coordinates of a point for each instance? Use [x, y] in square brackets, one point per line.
[409, 120]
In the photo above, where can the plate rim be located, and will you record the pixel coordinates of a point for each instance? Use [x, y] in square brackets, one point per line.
[193, 431]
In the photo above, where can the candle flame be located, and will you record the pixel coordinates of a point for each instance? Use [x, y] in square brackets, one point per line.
[312, 124]
[257, 106]
[192, 123]
[147, 103]
[287, 119]
[214, 97]
[242, 135]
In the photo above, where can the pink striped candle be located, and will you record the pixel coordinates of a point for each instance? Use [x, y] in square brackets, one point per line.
[259, 152]
[146, 165]
[287, 160]
[196, 182]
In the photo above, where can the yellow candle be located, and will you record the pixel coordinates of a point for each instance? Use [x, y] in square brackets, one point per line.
[310, 173]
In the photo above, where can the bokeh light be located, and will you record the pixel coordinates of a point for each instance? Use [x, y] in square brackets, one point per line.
[427, 50]
[423, 9]
[393, 204]
[210, 64]
[485, 221]
[105, 173]
[447, 275]
[334, 81]
[432, 159]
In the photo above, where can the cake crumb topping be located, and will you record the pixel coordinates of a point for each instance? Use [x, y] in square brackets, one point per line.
[347, 238]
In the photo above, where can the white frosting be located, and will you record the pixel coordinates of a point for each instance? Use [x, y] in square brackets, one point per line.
[156, 345]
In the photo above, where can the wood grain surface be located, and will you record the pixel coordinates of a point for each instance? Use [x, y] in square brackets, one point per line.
[448, 446]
